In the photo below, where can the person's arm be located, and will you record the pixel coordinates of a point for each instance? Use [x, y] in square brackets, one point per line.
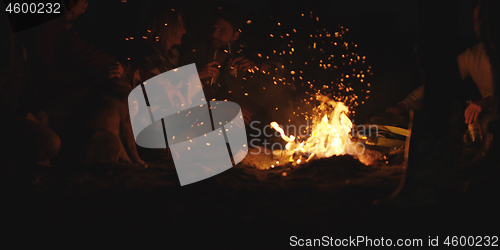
[92, 59]
[211, 70]
[206, 70]
[153, 65]
[464, 61]
[475, 108]
[416, 95]
[471, 65]
[88, 61]
[245, 59]
[409, 101]
[43, 56]
[248, 59]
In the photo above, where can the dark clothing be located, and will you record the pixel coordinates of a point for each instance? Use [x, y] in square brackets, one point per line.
[201, 56]
[226, 86]
[156, 63]
[13, 90]
[24, 140]
[62, 63]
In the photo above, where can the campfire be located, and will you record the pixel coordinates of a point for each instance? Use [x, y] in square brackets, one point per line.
[334, 89]
[330, 133]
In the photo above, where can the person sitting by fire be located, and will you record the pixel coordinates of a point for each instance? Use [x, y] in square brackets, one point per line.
[63, 65]
[224, 60]
[164, 32]
[474, 65]
[66, 72]
[158, 54]
[25, 138]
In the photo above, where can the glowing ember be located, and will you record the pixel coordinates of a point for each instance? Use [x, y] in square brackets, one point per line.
[330, 132]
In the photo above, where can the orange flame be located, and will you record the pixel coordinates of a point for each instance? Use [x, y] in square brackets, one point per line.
[330, 132]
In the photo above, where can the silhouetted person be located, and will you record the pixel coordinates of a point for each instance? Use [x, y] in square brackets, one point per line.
[489, 35]
[222, 58]
[83, 92]
[24, 138]
[63, 65]
[164, 31]
[474, 63]
[225, 63]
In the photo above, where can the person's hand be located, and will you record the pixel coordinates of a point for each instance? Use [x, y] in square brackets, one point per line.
[242, 64]
[115, 70]
[475, 108]
[396, 110]
[210, 70]
[31, 117]
[174, 91]
[171, 92]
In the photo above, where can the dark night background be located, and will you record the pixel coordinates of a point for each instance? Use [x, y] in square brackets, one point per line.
[384, 30]
[207, 214]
